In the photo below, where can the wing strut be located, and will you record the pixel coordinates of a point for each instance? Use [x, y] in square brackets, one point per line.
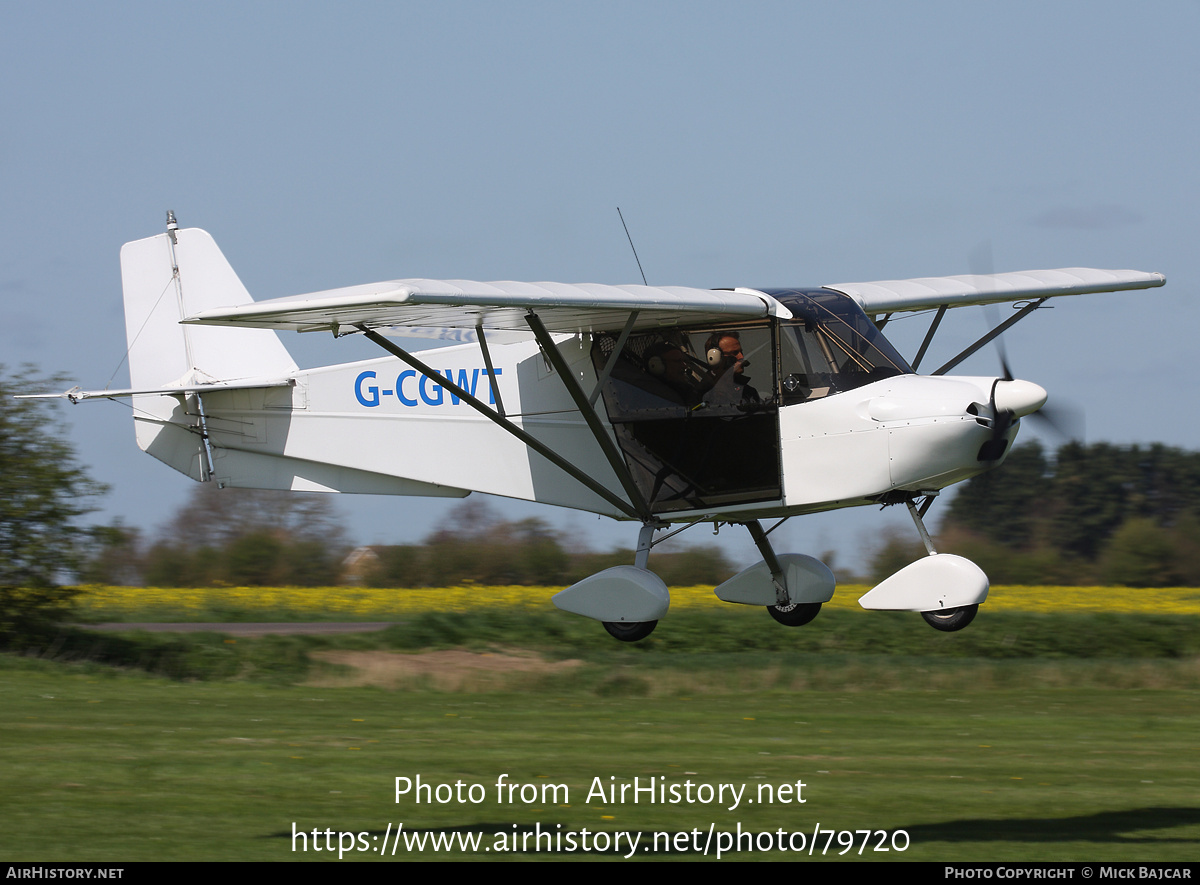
[487, 361]
[933, 327]
[533, 443]
[1024, 312]
[589, 414]
[612, 358]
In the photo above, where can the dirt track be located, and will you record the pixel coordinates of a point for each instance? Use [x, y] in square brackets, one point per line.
[250, 629]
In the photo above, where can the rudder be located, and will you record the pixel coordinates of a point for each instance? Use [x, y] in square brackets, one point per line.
[164, 279]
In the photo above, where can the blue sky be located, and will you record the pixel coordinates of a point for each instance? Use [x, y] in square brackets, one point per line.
[752, 144]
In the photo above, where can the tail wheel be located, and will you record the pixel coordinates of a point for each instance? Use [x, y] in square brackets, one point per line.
[951, 619]
[795, 615]
[630, 631]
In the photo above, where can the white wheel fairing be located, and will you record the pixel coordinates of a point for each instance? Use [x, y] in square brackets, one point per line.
[933, 584]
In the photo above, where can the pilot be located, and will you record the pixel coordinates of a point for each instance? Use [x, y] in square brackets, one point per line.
[726, 383]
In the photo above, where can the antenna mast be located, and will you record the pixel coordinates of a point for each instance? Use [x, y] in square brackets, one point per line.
[631, 246]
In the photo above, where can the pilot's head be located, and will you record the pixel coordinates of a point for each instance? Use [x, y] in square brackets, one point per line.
[722, 350]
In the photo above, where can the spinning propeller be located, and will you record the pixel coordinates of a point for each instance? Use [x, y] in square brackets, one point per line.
[1016, 398]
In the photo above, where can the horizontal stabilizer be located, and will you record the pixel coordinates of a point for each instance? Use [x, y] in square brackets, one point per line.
[77, 395]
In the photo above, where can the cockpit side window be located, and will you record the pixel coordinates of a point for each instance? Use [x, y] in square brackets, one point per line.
[695, 413]
[723, 372]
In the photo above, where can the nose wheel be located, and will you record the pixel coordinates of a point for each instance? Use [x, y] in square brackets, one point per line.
[951, 619]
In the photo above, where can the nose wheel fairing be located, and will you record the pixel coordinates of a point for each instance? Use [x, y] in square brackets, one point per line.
[933, 584]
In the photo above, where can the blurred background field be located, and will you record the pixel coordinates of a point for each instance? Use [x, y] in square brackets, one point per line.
[1024, 635]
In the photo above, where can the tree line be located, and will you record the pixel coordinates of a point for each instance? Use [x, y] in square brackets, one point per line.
[244, 537]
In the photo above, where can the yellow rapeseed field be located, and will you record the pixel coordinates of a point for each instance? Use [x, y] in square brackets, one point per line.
[361, 603]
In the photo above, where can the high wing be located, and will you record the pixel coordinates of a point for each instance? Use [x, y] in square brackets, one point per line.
[564, 307]
[894, 296]
[462, 304]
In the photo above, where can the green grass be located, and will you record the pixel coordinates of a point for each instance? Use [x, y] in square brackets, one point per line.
[1025, 737]
[109, 765]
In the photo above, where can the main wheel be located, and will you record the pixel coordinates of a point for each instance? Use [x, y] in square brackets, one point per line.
[795, 615]
[630, 631]
[951, 619]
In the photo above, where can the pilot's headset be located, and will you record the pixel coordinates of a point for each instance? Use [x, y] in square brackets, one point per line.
[712, 350]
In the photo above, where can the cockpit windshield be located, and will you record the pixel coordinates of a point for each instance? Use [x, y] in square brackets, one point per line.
[829, 346]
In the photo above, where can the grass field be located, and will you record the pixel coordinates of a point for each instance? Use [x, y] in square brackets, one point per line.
[1033, 735]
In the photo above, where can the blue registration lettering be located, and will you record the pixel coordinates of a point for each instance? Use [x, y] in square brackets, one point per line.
[466, 383]
[468, 380]
[425, 393]
[373, 391]
[407, 400]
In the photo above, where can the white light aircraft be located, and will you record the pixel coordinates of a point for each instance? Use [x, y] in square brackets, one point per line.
[668, 406]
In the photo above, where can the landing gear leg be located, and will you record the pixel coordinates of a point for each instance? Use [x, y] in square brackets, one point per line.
[791, 614]
[632, 631]
[645, 541]
[920, 523]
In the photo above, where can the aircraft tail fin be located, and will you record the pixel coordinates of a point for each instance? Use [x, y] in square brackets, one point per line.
[173, 275]
[166, 278]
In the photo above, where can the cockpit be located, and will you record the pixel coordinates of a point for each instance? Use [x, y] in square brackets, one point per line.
[696, 409]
